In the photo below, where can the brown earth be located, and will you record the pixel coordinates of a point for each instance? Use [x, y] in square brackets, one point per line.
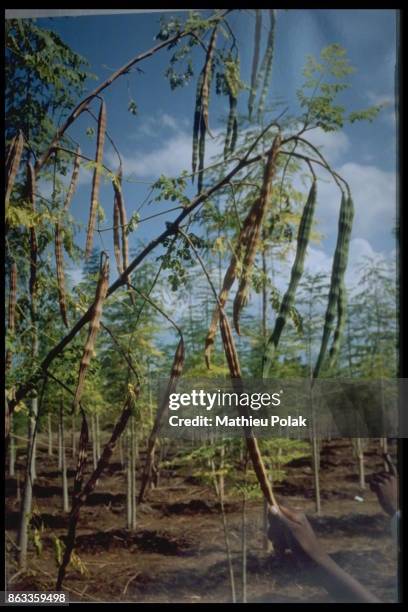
[177, 553]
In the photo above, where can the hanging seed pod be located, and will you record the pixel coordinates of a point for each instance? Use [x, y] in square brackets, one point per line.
[82, 457]
[201, 157]
[13, 164]
[232, 127]
[229, 347]
[31, 188]
[120, 205]
[196, 126]
[255, 61]
[176, 370]
[251, 441]
[74, 180]
[205, 90]
[59, 260]
[265, 72]
[116, 236]
[303, 237]
[337, 276]
[96, 179]
[100, 295]
[10, 153]
[200, 127]
[11, 309]
[341, 321]
[241, 297]
[233, 84]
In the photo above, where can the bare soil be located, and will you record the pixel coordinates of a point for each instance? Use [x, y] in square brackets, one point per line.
[177, 553]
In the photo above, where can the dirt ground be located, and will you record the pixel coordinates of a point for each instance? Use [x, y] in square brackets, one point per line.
[177, 553]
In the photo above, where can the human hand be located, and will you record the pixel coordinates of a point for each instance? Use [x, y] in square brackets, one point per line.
[303, 542]
[300, 537]
[385, 485]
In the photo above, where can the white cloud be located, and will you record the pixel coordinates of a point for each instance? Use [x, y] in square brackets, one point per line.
[169, 158]
[374, 196]
[334, 144]
[375, 199]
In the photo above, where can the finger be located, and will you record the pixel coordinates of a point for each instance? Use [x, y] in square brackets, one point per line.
[391, 466]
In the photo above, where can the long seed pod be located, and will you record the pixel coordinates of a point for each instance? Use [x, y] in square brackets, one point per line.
[232, 80]
[205, 90]
[341, 321]
[120, 204]
[13, 164]
[96, 179]
[176, 370]
[82, 457]
[303, 237]
[116, 236]
[10, 153]
[230, 125]
[255, 61]
[31, 189]
[254, 236]
[100, 295]
[266, 68]
[201, 128]
[196, 126]
[59, 260]
[11, 309]
[251, 441]
[337, 276]
[201, 157]
[74, 180]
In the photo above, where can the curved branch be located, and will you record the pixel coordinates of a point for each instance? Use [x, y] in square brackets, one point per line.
[82, 106]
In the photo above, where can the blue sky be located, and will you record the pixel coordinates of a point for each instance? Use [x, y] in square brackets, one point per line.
[158, 140]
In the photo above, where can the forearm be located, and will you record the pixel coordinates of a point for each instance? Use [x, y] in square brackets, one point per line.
[341, 585]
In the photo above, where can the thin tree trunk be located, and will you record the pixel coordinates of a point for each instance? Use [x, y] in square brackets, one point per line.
[98, 437]
[226, 538]
[65, 503]
[221, 477]
[12, 450]
[18, 488]
[121, 459]
[27, 497]
[133, 473]
[59, 449]
[73, 436]
[316, 476]
[50, 446]
[34, 413]
[94, 443]
[244, 542]
[360, 460]
[128, 480]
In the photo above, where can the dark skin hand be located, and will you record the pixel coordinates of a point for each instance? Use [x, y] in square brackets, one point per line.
[385, 485]
[290, 529]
